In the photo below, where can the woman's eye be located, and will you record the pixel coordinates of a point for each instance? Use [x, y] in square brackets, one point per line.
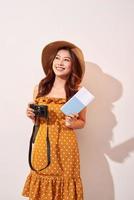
[67, 60]
[56, 57]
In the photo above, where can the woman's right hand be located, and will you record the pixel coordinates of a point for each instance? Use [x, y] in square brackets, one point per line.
[30, 112]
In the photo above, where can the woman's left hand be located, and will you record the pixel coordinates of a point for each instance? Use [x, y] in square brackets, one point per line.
[69, 119]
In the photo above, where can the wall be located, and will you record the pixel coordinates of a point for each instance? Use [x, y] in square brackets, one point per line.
[104, 30]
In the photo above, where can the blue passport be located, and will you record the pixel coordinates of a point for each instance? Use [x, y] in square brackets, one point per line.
[78, 102]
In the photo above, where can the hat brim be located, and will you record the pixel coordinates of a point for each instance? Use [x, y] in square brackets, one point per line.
[52, 48]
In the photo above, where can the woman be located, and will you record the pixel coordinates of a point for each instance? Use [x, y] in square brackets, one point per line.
[64, 66]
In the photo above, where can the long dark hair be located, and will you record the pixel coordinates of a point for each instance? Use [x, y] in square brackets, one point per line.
[72, 83]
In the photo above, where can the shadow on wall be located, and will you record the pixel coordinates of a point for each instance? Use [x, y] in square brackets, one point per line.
[94, 140]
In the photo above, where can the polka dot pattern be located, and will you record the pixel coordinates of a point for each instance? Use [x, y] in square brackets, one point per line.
[61, 179]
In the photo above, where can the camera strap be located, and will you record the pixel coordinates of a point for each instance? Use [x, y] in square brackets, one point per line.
[32, 140]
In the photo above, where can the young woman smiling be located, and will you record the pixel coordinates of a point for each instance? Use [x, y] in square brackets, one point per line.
[64, 66]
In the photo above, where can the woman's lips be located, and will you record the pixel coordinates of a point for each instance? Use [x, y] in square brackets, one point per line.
[60, 68]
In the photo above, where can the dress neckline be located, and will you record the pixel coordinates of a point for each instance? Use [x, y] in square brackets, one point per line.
[50, 97]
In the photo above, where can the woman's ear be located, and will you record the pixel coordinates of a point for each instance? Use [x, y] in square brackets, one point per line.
[80, 86]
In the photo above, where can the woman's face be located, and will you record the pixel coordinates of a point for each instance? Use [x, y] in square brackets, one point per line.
[62, 63]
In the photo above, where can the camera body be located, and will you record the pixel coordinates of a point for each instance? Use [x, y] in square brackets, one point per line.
[40, 110]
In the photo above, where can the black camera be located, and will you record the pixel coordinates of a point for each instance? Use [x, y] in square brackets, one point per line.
[40, 110]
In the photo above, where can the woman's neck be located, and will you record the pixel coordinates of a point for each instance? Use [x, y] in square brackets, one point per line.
[59, 82]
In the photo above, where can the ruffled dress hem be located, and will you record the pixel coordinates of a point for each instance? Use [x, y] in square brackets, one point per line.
[50, 187]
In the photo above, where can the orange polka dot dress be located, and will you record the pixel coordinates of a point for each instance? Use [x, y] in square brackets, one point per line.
[61, 179]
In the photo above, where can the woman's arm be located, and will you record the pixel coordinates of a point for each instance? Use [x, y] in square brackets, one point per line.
[35, 92]
[30, 111]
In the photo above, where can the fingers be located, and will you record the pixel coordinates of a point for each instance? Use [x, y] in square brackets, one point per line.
[70, 118]
[30, 111]
[74, 115]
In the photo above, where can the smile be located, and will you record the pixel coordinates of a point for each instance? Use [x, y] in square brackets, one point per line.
[60, 68]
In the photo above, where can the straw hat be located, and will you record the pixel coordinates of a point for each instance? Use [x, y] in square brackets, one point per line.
[50, 50]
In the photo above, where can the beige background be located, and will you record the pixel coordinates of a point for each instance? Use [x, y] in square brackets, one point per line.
[104, 30]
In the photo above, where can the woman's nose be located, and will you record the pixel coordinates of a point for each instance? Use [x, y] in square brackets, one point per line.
[60, 62]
